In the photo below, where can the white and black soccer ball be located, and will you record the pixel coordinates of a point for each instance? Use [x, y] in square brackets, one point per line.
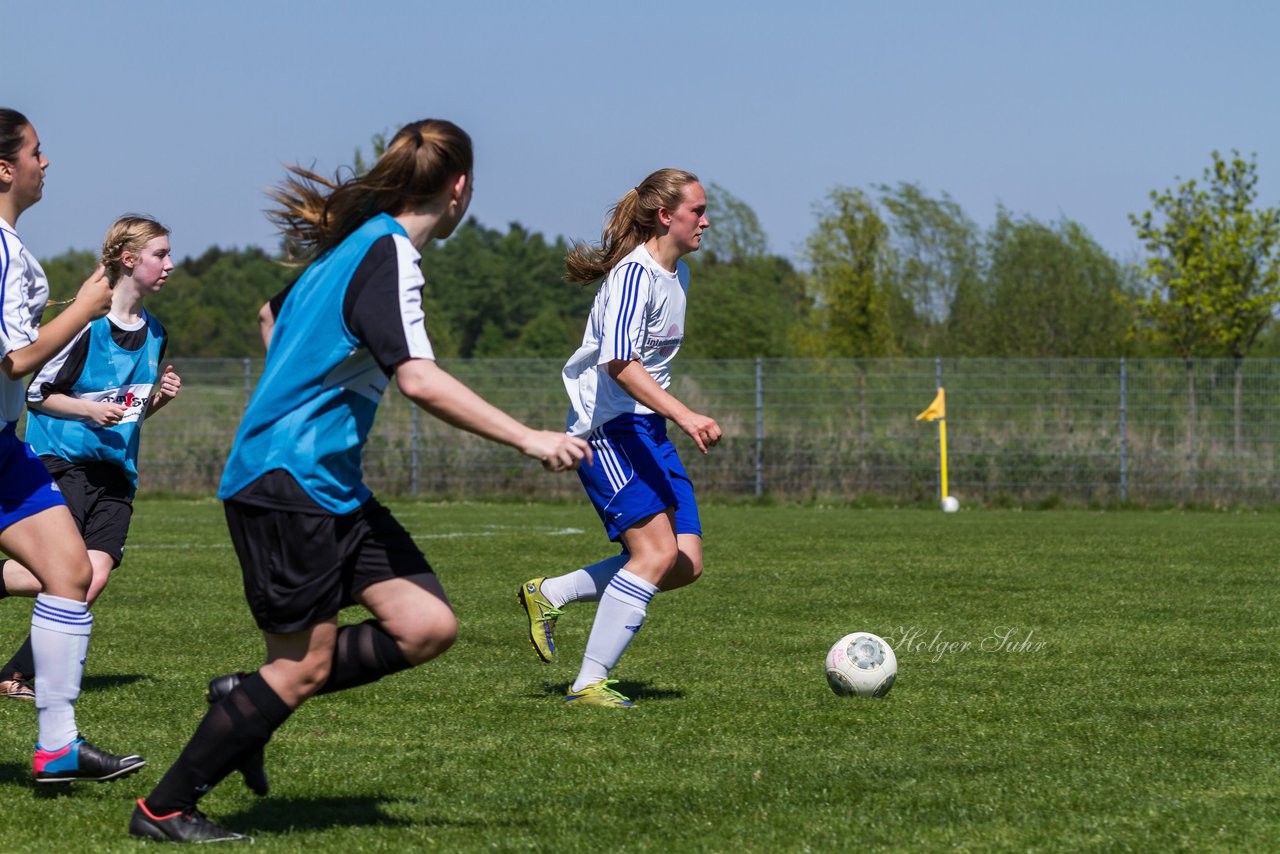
[861, 665]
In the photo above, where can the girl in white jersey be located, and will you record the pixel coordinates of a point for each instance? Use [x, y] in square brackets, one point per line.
[617, 383]
[36, 528]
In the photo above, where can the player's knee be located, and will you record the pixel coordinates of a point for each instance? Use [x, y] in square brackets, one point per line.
[430, 638]
[657, 561]
[70, 581]
[686, 571]
[98, 582]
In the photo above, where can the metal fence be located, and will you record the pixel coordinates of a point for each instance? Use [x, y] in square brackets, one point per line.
[1018, 430]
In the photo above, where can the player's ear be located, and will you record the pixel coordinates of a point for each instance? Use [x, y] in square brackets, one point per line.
[128, 260]
[6, 171]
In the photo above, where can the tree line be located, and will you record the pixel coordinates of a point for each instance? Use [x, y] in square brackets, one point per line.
[887, 271]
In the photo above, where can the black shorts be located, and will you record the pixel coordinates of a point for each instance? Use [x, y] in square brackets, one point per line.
[301, 569]
[99, 496]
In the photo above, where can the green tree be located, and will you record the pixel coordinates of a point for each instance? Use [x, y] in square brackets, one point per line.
[849, 305]
[210, 304]
[488, 286]
[935, 259]
[1051, 292]
[744, 302]
[743, 308]
[66, 272]
[735, 233]
[1212, 271]
[466, 280]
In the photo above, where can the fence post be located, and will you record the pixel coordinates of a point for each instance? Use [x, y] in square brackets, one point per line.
[759, 427]
[413, 452]
[1124, 429]
[248, 380]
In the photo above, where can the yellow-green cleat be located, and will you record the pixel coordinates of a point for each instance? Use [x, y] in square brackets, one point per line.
[599, 694]
[542, 617]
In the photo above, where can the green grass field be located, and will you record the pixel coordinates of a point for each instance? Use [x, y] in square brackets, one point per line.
[1068, 681]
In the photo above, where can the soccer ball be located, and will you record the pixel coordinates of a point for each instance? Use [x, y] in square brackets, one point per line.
[950, 504]
[861, 664]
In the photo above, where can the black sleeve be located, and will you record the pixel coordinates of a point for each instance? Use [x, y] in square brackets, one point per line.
[58, 376]
[383, 304]
[277, 302]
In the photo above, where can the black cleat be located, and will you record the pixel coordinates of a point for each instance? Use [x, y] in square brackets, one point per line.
[253, 769]
[184, 826]
[80, 760]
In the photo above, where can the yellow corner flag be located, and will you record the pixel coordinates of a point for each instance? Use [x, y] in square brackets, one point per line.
[937, 410]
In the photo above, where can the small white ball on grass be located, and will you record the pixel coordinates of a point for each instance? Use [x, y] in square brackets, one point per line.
[950, 504]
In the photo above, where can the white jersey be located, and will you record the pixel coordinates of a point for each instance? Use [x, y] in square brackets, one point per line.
[24, 292]
[638, 314]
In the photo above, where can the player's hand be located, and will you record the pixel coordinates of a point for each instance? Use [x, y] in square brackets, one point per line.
[94, 295]
[170, 383]
[704, 431]
[557, 451]
[105, 414]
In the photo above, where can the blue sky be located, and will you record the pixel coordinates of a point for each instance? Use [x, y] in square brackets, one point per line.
[187, 111]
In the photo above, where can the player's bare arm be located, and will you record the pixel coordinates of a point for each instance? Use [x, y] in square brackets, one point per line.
[631, 376]
[439, 393]
[100, 412]
[92, 301]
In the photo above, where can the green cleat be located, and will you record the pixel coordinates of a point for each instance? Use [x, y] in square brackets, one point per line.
[542, 617]
[599, 694]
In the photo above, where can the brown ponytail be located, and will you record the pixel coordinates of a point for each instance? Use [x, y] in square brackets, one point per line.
[315, 214]
[633, 220]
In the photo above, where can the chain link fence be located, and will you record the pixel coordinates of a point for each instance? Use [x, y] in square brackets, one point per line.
[1088, 430]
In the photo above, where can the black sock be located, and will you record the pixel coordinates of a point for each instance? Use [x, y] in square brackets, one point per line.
[240, 723]
[23, 662]
[364, 653]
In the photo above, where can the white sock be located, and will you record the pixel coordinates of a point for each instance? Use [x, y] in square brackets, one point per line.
[59, 642]
[622, 611]
[583, 585]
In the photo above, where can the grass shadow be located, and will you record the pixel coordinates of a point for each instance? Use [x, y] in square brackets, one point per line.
[282, 815]
[630, 690]
[106, 682]
[20, 775]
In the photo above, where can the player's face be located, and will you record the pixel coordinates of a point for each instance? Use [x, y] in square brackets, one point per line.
[689, 220]
[152, 265]
[26, 171]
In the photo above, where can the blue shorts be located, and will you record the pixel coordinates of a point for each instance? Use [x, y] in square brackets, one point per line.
[637, 473]
[25, 485]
